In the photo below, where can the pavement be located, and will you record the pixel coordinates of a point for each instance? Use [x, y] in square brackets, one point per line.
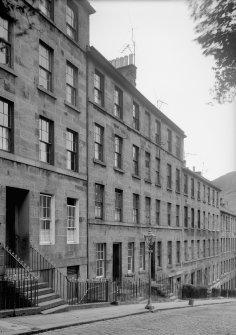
[35, 324]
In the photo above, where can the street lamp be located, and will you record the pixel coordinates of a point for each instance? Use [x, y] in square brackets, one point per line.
[149, 240]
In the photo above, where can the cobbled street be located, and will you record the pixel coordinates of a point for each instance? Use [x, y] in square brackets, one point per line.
[205, 320]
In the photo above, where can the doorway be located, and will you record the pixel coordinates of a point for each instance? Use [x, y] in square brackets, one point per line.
[17, 221]
[116, 262]
[178, 287]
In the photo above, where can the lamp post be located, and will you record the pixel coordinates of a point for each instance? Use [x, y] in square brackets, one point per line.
[149, 240]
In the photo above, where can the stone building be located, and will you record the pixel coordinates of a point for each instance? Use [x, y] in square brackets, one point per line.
[228, 245]
[137, 179]
[201, 229]
[88, 164]
[43, 134]
[135, 158]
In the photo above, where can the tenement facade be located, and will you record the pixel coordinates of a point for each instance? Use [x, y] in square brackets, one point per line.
[138, 179]
[43, 133]
[228, 246]
[88, 164]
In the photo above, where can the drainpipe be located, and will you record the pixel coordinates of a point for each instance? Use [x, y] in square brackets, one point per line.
[87, 158]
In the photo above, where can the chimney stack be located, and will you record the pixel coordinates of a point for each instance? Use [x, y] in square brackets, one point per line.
[125, 65]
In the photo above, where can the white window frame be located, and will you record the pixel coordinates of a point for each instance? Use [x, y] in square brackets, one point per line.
[71, 21]
[5, 46]
[98, 142]
[100, 260]
[98, 88]
[45, 66]
[71, 150]
[118, 101]
[136, 112]
[45, 6]
[45, 140]
[71, 83]
[136, 209]
[51, 219]
[118, 205]
[118, 152]
[5, 125]
[130, 258]
[76, 223]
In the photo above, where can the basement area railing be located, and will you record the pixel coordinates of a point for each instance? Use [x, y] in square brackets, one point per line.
[18, 286]
[129, 289]
[88, 291]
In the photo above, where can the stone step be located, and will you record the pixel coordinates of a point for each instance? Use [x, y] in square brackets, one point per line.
[41, 285]
[44, 290]
[57, 309]
[51, 304]
[47, 297]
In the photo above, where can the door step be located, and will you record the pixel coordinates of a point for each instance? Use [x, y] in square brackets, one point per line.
[47, 297]
[50, 304]
[57, 309]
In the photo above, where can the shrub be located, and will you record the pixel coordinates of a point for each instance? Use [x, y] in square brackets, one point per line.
[193, 292]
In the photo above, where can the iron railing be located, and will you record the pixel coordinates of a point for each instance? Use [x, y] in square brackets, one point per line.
[129, 289]
[18, 293]
[18, 286]
[89, 291]
[164, 285]
[48, 272]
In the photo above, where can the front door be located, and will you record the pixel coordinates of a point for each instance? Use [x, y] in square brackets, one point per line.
[116, 261]
[178, 287]
[17, 221]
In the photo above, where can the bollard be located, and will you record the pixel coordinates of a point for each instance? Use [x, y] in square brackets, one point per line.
[191, 302]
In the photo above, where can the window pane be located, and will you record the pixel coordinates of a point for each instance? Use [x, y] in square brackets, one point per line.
[4, 126]
[45, 7]
[45, 218]
[70, 22]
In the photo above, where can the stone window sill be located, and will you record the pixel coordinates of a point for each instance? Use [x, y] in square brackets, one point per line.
[96, 161]
[118, 170]
[50, 94]
[8, 69]
[71, 106]
[100, 107]
[136, 177]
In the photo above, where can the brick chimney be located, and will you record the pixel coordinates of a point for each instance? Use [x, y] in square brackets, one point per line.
[125, 65]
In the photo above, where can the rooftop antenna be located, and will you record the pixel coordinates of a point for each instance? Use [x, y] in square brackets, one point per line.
[189, 154]
[160, 103]
[130, 46]
[203, 170]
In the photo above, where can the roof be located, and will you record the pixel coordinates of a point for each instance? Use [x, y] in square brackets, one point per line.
[198, 176]
[87, 5]
[102, 61]
[227, 211]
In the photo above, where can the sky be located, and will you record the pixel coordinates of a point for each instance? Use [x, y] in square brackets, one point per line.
[172, 69]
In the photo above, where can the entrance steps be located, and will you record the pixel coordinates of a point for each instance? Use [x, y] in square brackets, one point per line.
[48, 300]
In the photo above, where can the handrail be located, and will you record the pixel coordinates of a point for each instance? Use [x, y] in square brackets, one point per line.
[47, 271]
[13, 266]
[25, 284]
